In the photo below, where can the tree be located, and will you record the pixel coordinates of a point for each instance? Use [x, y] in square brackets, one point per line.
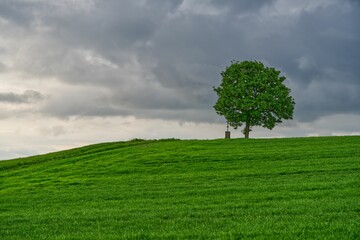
[253, 95]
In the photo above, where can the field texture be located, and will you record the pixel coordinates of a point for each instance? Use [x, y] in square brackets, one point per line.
[300, 188]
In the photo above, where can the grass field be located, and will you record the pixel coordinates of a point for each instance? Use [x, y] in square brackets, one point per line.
[298, 188]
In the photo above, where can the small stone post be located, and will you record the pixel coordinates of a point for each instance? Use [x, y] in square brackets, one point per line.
[227, 133]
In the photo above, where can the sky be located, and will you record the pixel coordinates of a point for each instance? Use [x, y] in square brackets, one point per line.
[78, 72]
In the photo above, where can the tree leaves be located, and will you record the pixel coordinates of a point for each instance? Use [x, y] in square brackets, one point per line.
[253, 94]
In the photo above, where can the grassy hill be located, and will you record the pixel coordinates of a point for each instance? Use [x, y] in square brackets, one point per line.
[299, 188]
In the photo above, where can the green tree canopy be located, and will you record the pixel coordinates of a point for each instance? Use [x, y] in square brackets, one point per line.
[253, 95]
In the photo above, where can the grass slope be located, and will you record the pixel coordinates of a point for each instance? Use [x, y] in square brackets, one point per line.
[300, 188]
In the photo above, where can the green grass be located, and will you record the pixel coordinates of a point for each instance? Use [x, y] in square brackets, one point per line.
[299, 188]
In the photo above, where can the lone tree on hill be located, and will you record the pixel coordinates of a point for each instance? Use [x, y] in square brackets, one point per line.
[253, 95]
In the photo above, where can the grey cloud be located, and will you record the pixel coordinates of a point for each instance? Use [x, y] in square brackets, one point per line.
[112, 24]
[321, 99]
[54, 131]
[356, 2]
[332, 37]
[2, 67]
[19, 12]
[112, 29]
[151, 59]
[330, 84]
[28, 96]
[241, 6]
[81, 102]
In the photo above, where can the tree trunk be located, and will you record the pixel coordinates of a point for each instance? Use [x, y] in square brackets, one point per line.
[247, 129]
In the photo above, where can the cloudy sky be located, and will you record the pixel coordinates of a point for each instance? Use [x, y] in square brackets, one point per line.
[76, 72]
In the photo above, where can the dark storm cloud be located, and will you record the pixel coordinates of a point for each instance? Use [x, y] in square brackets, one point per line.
[236, 6]
[19, 12]
[112, 26]
[321, 47]
[328, 77]
[28, 96]
[160, 56]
